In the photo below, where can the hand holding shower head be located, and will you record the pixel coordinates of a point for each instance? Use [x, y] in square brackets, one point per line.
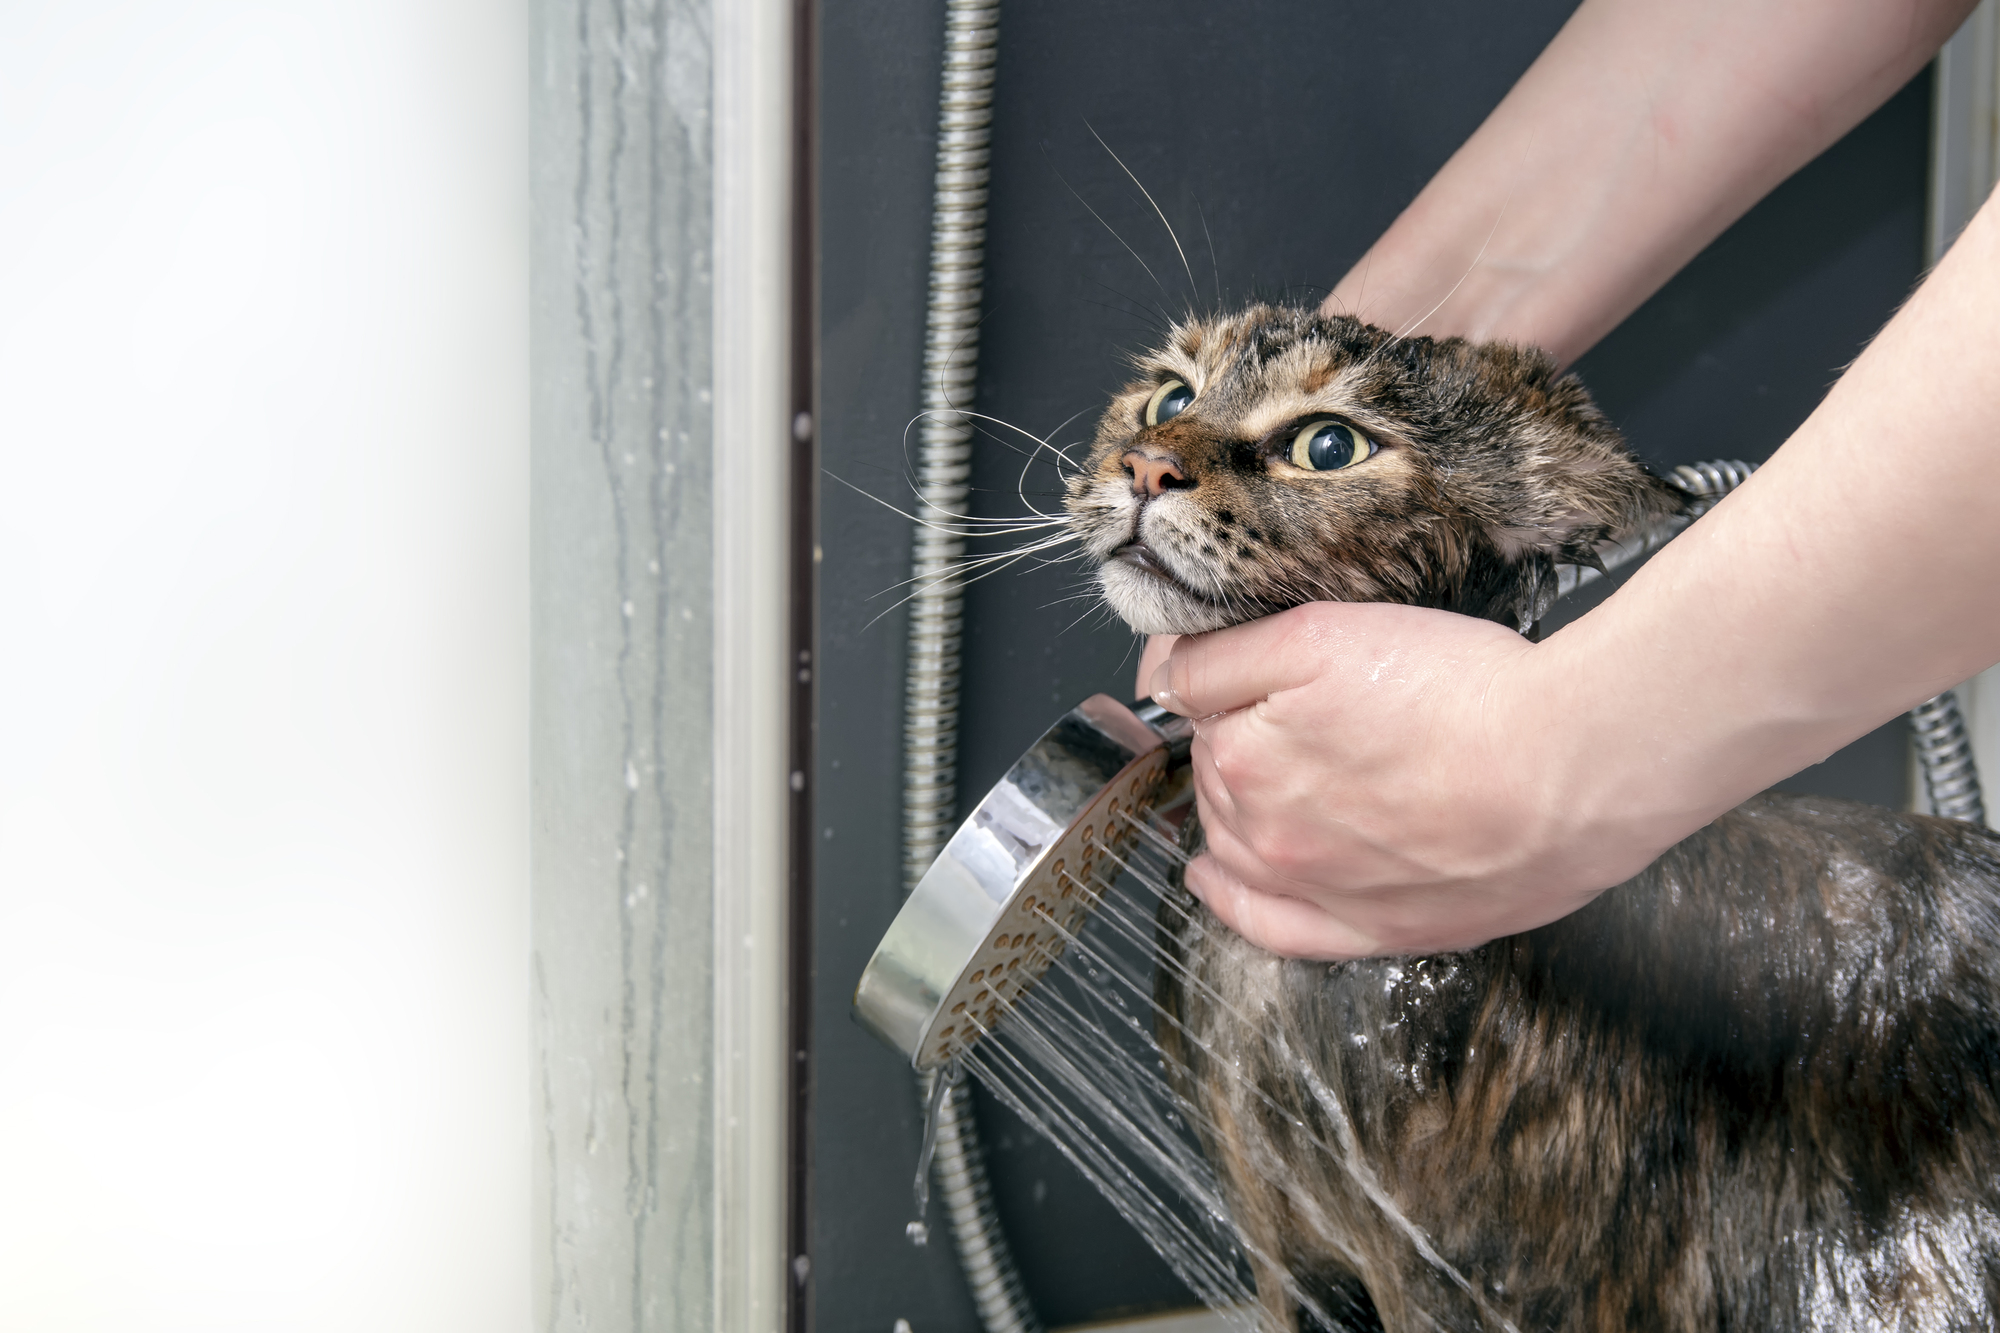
[1016, 881]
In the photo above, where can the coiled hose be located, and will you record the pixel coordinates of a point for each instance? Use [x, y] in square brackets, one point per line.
[1944, 755]
[1709, 482]
[937, 610]
[1944, 750]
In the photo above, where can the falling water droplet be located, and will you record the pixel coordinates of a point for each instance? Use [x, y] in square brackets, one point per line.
[942, 1080]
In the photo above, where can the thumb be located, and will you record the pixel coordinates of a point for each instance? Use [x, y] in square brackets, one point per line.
[1232, 668]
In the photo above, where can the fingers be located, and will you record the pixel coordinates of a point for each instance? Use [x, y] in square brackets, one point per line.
[1269, 916]
[1156, 652]
[1218, 803]
[1289, 927]
[1233, 668]
[1333, 831]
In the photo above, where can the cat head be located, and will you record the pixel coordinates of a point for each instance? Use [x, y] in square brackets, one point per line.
[1276, 456]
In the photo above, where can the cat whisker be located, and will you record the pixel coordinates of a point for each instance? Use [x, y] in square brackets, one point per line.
[973, 526]
[1150, 315]
[1061, 457]
[943, 392]
[1151, 312]
[988, 566]
[1469, 268]
[1360, 297]
[1091, 596]
[1091, 407]
[1021, 482]
[1021, 553]
[968, 563]
[995, 564]
[1113, 230]
[1138, 642]
[1192, 287]
[959, 568]
[1041, 443]
[1215, 268]
[1039, 562]
[1418, 322]
[959, 524]
[1095, 610]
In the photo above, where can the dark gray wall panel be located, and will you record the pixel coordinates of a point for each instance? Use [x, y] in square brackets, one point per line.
[879, 111]
[1279, 139]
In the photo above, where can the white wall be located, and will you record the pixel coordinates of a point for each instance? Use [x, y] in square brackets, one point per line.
[263, 1013]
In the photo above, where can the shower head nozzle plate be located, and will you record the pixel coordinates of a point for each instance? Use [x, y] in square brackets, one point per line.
[1009, 891]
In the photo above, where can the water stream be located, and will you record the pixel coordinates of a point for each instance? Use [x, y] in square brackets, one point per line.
[1080, 1060]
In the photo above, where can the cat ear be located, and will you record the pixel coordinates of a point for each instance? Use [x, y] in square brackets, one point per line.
[1566, 535]
[1563, 480]
[1633, 503]
[1597, 493]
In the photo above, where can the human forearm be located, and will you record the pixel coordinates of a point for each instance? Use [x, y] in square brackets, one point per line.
[1638, 135]
[1851, 578]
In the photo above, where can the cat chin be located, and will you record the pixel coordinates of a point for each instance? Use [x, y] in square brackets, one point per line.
[1152, 606]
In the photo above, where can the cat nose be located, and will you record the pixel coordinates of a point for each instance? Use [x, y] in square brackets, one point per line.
[1154, 474]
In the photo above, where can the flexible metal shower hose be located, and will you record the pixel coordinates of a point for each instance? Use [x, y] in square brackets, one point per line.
[1944, 754]
[1944, 750]
[937, 610]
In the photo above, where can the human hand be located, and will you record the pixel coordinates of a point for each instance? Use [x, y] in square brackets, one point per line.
[1378, 779]
[1158, 648]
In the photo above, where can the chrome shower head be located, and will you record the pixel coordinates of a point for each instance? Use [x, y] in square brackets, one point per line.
[1015, 882]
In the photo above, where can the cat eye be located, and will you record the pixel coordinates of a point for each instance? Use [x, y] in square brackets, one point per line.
[1168, 401]
[1328, 446]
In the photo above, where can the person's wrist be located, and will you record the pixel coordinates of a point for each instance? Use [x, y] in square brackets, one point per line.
[1616, 787]
[1535, 746]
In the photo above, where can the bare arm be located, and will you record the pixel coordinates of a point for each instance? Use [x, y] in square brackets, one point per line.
[1641, 133]
[1851, 578]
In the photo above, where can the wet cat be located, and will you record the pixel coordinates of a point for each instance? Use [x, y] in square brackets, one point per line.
[1758, 1085]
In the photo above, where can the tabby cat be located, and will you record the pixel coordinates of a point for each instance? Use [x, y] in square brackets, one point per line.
[1753, 1087]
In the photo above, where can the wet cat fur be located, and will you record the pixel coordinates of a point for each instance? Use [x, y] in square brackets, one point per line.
[1494, 467]
[1752, 1087]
